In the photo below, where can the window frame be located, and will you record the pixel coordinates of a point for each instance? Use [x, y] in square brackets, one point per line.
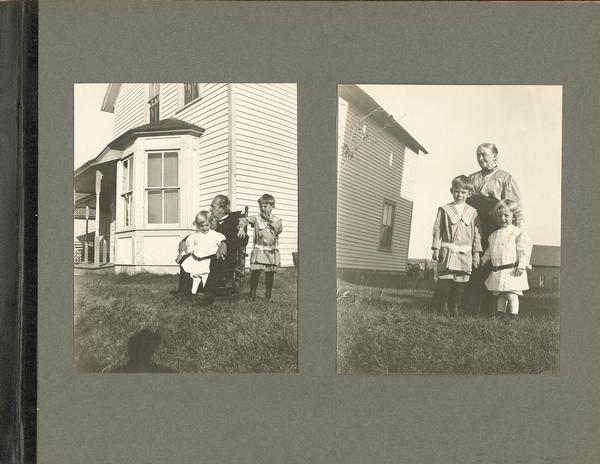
[383, 228]
[194, 86]
[181, 90]
[127, 193]
[162, 188]
[153, 102]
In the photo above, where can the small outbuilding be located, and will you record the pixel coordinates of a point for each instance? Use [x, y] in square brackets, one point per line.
[545, 267]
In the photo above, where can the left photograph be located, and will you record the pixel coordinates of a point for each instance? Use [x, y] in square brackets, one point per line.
[185, 227]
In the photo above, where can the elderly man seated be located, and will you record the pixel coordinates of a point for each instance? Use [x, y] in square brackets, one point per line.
[226, 222]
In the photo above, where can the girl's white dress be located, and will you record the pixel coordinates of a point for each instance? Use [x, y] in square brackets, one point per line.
[508, 245]
[201, 245]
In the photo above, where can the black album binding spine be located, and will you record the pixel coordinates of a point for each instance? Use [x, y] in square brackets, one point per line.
[18, 230]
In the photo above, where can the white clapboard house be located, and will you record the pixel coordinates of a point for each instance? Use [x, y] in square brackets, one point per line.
[175, 147]
[376, 178]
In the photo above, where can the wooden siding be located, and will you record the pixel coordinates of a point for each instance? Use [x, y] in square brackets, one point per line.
[250, 129]
[409, 175]
[365, 181]
[265, 152]
[130, 108]
[211, 113]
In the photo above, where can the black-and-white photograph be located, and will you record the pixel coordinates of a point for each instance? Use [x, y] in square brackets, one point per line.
[448, 228]
[185, 227]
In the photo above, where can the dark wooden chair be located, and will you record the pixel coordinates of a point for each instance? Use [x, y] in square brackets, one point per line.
[233, 281]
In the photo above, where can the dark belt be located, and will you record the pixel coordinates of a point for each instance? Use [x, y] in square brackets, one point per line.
[204, 257]
[505, 266]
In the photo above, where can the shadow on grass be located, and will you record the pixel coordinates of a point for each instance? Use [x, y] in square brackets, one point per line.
[232, 335]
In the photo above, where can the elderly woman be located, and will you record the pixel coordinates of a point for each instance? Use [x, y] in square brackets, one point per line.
[490, 185]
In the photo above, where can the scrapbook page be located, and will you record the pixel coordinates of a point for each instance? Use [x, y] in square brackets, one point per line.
[142, 358]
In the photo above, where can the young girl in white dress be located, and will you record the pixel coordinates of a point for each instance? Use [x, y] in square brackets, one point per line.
[201, 246]
[509, 251]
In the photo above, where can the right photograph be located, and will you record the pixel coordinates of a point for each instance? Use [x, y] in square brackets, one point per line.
[448, 229]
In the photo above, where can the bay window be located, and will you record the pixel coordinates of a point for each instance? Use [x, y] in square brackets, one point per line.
[162, 187]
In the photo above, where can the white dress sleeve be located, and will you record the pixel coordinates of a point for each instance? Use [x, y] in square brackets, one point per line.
[189, 243]
[219, 237]
[524, 247]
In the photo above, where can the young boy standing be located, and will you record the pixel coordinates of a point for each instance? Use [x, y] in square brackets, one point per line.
[456, 245]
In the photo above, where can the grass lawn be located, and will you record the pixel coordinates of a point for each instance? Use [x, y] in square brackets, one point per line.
[229, 336]
[392, 331]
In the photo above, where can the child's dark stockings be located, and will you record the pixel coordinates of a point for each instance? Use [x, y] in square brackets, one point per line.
[254, 277]
[269, 276]
[449, 294]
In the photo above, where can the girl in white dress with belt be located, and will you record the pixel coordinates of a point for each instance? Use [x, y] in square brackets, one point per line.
[509, 251]
[201, 246]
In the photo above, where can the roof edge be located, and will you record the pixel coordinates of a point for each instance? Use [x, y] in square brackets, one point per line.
[125, 139]
[356, 95]
[110, 98]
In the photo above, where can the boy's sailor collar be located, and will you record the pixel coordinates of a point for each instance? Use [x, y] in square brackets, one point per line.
[262, 223]
[467, 215]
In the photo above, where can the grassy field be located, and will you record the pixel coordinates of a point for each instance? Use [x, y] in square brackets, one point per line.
[393, 331]
[230, 336]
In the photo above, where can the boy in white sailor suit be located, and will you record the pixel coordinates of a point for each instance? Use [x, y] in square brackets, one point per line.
[456, 246]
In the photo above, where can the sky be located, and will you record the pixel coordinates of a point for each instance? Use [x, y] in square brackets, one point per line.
[524, 122]
[449, 121]
[93, 128]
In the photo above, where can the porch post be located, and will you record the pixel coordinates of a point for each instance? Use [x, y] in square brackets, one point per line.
[97, 233]
[85, 240]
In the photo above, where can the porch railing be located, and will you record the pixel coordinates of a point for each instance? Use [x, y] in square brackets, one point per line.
[83, 256]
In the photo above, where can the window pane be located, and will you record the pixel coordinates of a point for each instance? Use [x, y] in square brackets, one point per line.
[171, 206]
[130, 184]
[190, 92]
[154, 89]
[388, 214]
[171, 169]
[154, 110]
[386, 241]
[154, 169]
[155, 207]
[125, 176]
[128, 199]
